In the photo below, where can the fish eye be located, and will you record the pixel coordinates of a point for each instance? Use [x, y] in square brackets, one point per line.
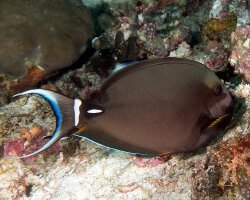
[218, 89]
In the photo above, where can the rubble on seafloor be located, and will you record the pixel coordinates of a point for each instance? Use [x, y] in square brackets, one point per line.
[78, 169]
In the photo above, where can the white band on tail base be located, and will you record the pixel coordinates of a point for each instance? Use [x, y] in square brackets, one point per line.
[77, 104]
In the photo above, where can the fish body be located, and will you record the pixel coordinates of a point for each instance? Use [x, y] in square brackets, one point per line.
[151, 107]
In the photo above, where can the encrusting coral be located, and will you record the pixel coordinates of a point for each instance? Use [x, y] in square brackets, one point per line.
[41, 32]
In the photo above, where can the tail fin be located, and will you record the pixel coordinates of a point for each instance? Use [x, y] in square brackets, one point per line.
[67, 113]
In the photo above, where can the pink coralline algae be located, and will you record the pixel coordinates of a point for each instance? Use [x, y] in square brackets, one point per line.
[153, 162]
[182, 51]
[176, 36]
[37, 143]
[240, 56]
[151, 42]
[217, 63]
[14, 147]
[27, 144]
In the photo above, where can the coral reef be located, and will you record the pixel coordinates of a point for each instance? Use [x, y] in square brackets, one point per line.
[38, 38]
[112, 54]
[157, 25]
[78, 169]
[41, 32]
[240, 56]
[215, 28]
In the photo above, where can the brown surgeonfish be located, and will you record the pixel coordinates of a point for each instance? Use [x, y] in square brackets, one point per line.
[152, 107]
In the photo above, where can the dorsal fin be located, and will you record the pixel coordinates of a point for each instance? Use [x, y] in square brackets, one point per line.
[122, 65]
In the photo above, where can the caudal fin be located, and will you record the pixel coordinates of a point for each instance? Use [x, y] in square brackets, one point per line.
[67, 113]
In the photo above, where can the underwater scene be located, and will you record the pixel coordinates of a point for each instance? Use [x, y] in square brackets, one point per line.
[115, 99]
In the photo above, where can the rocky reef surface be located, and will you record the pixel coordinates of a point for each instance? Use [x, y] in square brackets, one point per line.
[215, 33]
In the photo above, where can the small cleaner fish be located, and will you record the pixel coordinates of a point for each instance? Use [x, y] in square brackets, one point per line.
[152, 107]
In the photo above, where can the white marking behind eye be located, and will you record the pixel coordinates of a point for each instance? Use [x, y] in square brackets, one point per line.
[77, 104]
[94, 111]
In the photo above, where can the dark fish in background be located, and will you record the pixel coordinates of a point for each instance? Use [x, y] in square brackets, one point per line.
[151, 107]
